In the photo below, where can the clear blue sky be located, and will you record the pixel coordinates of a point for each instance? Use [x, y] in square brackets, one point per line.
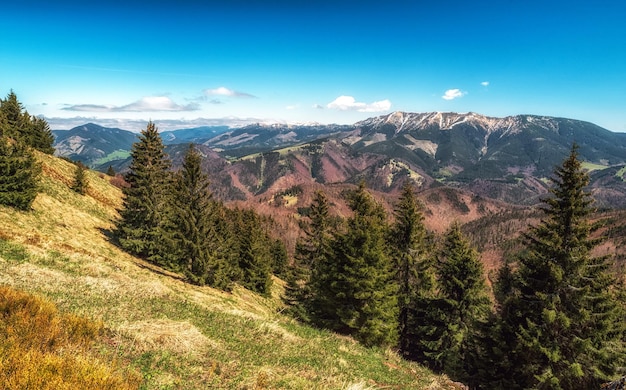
[313, 61]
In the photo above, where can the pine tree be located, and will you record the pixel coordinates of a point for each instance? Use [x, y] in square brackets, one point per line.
[197, 246]
[42, 137]
[414, 271]
[464, 301]
[111, 171]
[19, 173]
[562, 307]
[141, 223]
[16, 121]
[357, 294]
[252, 251]
[311, 257]
[80, 183]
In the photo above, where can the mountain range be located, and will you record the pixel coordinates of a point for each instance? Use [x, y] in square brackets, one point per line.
[508, 159]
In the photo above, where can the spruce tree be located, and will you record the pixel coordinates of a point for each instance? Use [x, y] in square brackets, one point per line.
[414, 271]
[357, 293]
[17, 122]
[196, 244]
[42, 137]
[80, 179]
[464, 301]
[110, 171]
[140, 227]
[19, 173]
[311, 258]
[562, 308]
[253, 251]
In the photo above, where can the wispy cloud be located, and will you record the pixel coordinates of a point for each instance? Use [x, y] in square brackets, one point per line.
[223, 91]
[452, 94]
[485, 83]
[146, 104]
[318, 106]
[292, 107]
[348, 103]
[140, 124]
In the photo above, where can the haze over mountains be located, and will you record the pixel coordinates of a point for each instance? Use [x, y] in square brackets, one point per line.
[508, 159]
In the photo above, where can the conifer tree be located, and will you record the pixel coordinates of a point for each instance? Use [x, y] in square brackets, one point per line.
[111, 171]
[312, 255]
[16, 121]
[562, 308]
[42, 137]
[253, 254]
[19, 173]
[196, 244]
[141, 223]
[80, 179]
[414, 271]
[464, 302]
[357, 293]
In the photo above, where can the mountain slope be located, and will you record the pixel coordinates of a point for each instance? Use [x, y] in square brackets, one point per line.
[174, 334]
[508, 159]
[94, 145]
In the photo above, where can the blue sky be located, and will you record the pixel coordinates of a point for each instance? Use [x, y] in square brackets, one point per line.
[207, 62]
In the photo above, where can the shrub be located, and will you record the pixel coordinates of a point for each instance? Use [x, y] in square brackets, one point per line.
[41, 348]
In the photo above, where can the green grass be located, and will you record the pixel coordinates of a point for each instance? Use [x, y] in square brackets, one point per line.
[175, 335]
[621, 174]
[119, 154]
[593, 167]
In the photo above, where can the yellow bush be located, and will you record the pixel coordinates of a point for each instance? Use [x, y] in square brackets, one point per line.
[41, 348]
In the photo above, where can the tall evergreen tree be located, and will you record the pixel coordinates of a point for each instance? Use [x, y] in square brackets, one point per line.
[42, 137]
[357, 294]
[464, 301]
[562, 307]
[414, 271]
[140, 227]
[16, 121]
[196, 243]
[19, 173]
[312, 257]
[253, 251]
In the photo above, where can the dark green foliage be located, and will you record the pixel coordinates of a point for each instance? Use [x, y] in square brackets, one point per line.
[196, 245]
[17, 124]
[414, 271]
[80, 183]
[560, 314]
[110, 171]
[18, 175]
[463, 302]
[313, 256]
[140, 228]
[252, 250]
[42, 138]
[355, 294]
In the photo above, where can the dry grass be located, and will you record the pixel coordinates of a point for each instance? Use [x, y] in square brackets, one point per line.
[178, 336]
[42, 349]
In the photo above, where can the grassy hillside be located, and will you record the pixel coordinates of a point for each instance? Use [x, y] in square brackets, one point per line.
[175, 335]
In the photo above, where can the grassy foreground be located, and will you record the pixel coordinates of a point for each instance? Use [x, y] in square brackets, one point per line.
[172, 334]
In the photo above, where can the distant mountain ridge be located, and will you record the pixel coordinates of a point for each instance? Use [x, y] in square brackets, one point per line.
[507, 158]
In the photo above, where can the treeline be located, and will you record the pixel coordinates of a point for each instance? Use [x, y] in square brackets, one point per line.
[557, 321]
[20, 134]
[171, 219]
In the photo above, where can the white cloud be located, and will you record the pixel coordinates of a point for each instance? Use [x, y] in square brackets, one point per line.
[146, 104]
[485, 83]
[348, 103]
[452, 94]
[223, 91]
[292, 107]
[318, 106]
